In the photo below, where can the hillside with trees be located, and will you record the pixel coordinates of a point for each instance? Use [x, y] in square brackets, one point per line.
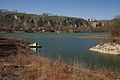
[11, 21]
[114, 29]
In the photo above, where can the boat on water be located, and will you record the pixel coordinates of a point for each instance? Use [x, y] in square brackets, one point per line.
[35, 45]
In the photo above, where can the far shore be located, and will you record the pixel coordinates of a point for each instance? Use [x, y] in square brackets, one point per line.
[46, 32]
[95, 37]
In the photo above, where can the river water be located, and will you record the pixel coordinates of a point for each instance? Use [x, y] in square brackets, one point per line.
[68, 48]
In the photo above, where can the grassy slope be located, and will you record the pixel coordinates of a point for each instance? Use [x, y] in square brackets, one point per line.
[52, 18]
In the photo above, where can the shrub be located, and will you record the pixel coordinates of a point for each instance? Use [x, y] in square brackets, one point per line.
[115, 26]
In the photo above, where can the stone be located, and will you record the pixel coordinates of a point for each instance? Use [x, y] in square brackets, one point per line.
[107, 48]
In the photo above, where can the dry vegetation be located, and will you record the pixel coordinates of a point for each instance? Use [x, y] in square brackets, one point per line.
[25, 65]
[95, 37]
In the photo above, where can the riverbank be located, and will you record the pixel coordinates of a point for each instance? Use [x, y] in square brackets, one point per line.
[95, 37]
[18, 63]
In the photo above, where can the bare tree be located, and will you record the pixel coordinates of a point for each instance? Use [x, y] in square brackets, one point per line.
[115, 26]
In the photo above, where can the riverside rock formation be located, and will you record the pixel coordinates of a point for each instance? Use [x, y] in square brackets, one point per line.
[13, 21]
[108, 48]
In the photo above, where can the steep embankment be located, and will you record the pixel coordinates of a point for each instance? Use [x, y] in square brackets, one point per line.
[11, 21]
[17, 63]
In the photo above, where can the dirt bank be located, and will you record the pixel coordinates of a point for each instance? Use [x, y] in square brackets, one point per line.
[18, 63]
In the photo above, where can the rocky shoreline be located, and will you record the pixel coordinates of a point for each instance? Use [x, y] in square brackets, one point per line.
[108, 48]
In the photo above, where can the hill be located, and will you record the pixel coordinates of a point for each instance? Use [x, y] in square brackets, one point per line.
[14, 21]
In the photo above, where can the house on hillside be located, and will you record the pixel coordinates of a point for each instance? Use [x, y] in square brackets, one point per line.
[91, 19]
[43, 29]
[46, 29]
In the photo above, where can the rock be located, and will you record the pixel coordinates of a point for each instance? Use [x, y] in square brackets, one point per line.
[107, 48]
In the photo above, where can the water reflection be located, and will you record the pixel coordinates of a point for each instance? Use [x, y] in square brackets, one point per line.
[36, 50]
[110, 61]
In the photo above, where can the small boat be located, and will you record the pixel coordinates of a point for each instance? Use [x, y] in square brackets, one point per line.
[35, 45]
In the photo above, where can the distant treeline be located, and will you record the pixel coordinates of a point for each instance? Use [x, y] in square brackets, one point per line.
[11, 21]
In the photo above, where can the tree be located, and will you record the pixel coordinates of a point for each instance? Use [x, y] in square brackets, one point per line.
[9, 30]
[115, 26]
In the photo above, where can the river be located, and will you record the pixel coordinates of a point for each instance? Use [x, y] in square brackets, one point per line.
[68, 48]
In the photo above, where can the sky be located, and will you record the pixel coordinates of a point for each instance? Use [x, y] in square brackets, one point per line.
[97, 9]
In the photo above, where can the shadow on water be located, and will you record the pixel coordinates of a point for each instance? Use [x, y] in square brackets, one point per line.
[36, 50]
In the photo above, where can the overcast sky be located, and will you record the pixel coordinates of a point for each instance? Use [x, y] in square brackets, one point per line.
[98, 9]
